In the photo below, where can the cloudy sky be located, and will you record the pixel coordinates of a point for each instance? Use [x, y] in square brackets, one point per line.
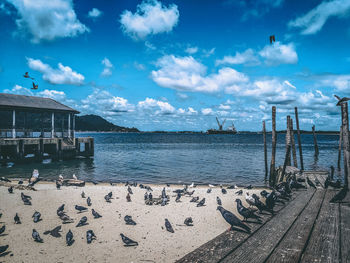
[175, 65]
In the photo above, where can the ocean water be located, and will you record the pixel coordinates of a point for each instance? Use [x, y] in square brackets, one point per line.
[179, 158]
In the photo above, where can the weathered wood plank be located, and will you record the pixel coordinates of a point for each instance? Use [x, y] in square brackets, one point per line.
[259, 246]
[292, 245]
[345, 232]
[219, 247]
[323, 245]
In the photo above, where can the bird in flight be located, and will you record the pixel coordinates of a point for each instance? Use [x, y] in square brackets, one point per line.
[35, 86]
[26, 75]
[341, 100]
[272, 39]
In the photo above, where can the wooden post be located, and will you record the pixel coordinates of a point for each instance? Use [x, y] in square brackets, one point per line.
[288, 139]
[299, 139]
[340, 144]
[315, 140]
[294, 152]
[273, 150]
[52, 125]
[286, 158]
[62, 125]
[346, 146]
[265, 151]
[13, 124]
[73, 125]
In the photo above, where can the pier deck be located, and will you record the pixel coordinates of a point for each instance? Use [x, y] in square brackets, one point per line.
[306, 229]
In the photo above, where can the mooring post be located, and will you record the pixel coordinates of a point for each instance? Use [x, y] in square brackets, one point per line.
[315, 140]
[273, 150]
[340, 144]
[299, 139]
[346, 146]
[294, 152]
[288, 139]
[286, 158]
[265, 151]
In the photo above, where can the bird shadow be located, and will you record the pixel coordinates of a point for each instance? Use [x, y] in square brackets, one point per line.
[253, 222]
[2, 235]
[238, 230]
[4, 254]
[71, 243]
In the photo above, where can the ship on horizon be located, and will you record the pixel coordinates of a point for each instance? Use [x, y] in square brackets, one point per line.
[230, 130]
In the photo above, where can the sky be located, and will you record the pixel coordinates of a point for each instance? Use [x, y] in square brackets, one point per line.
[176, 65]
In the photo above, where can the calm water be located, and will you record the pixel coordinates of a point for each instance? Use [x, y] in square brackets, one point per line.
[159, 158]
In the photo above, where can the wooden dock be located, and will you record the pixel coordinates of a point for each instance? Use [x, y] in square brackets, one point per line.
[306, 229]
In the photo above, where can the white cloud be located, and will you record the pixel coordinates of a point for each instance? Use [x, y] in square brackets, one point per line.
[187, 74]
[224, 107]
[340, 82]
[279, 54]
[53, 94]
[207, 111]
[151, 17]
[19, 90]
[191, 50]
[286, 82]
[62, 75]
[139, 66]
[247, 57]
[189, 111]
[107, 71]
[208, 53]
[94, 13]
[161, 107]
[313, 21]
[47, 20]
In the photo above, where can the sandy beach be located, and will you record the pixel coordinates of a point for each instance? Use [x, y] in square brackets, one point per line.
[155, 243]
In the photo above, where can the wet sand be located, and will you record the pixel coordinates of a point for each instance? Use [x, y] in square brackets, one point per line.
[155, 243]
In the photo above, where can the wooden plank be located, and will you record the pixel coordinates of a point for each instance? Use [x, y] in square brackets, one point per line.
[219, 247]
[323, 245]
[345, 232]
[260, 245]
[292, 245]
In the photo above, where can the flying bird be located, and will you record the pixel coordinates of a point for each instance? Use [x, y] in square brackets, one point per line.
[272, 39]
[232, 219]
[26, 75]
[35, 86]
[341, 100]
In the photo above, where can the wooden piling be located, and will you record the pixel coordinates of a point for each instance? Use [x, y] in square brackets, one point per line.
[346, 146]
[340, 146]
[294, 153]
[299, 139]
[265, 151]
[288, 139]
[315, 140]
[286, 158]
[273, 150]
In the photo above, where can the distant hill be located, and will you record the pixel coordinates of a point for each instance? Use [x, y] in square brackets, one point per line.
[96, 123]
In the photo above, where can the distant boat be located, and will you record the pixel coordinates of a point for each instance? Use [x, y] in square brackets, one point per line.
[230, 130]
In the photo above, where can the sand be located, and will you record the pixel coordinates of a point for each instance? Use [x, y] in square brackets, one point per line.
[155, 243]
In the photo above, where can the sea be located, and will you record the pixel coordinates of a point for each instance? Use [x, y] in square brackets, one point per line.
[179, 158]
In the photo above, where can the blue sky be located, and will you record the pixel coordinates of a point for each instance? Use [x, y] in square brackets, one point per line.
[175, 65]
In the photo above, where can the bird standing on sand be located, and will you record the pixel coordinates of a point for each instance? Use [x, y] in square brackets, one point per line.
[178, 198]
[163, 193]
[80, 208]
[209, 191]
[90, 235]
[88, 201]
[232, 219]
[218, 200]
[69, 238]
[17, 219]
[128, 198]
[128, 242]
[37, 237]
[341, 100]
[2, 229]
[82, 222]
[36, 217]
[240, 192]
[246, 212]
[108, 198]
[10, 189]
[188, 221]
[129, 221]
[168, 226]
[95, 214]
[223, 190]
[201, 202]
[129, 190]
[60, 209]
[82, 194]
[194, 199]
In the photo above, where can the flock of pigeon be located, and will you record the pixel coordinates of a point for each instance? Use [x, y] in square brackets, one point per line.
[280, 194]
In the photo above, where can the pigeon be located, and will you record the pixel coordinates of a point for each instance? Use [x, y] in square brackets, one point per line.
[240, 192]
[128, 242]
[146, 196]
[82, 222]
[20, 182]
[218, 200]
[58, 184]
[95, 214]
[127, 183]
[168, 226]
[178, 198]
[2, 229]
[201, 202]
[23, 196]
[60, 210]
[340, 195]
[128, 220]
[260, 205]
[10, 189]
[294, 184]
[69, 238]
[88, 201]
[37, 237]
[74, 177]
[209, 191]
[190, 193]
[150, 196]
[194, 199]
[108, 198]
[82, 194]
[164, 201]
[272, 39]
[250, 200]
[270, 199]
[65, 218]
[179, 191]
[129, 190]
[17, 219]
[223, 190]
[128, 198]
[300, 180]
[35, 86]
[110, 194]
[36, 217]
[249, 187]
[5, 179]
[3, 248]
[341, 100]
[188, 221]
[317, 182]
[328, 182]
[54, 232]
[246, 212]
[26, 75]
[310, 183]
[90, 235]
[232, 219]
[80, 208]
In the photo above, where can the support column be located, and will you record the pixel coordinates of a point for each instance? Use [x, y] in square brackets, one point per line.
[73, 125]
[69, 125]
[13, 124]
[52, 125]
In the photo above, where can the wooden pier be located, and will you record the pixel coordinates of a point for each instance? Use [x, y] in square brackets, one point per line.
[307, 229]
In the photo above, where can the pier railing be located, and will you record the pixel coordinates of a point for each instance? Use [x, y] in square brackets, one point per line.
[28, 133]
